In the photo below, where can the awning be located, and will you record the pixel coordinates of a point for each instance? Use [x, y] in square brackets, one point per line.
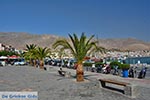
[3, 57]
[14, 57]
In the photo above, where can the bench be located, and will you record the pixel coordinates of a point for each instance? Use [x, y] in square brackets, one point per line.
[64, 73]
[127, 87]
[104, 81]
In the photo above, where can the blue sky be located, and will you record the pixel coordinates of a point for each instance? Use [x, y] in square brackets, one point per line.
[104, 18]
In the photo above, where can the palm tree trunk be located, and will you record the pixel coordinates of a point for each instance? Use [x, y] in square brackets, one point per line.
[34, 63]
[80, 73]
[41, 64]
[31, 62]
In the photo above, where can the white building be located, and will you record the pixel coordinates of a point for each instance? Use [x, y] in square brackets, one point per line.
[2, 47]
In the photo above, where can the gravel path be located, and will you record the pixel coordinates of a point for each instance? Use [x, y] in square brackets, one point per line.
[51, 86]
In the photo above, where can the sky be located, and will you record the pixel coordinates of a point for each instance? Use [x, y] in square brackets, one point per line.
[103, 18]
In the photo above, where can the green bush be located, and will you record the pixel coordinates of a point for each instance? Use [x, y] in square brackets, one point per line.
[98, 64]
[87, 64]
[125, 66]
[115, 63]
[7, 53]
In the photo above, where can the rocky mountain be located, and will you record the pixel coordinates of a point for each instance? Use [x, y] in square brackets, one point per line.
[125, 44]
[19, 40]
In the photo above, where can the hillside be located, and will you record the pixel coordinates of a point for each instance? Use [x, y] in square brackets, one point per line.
[19, 40]
[125, 44]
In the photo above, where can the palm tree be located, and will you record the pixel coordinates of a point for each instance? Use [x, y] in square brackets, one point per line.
[30, 53]
[41, 53]
[60, 53]
[79, 48]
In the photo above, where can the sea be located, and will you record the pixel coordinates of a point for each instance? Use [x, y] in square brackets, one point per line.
[138, 60]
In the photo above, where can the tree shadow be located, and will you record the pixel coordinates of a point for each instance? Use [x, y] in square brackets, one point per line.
[90, 75]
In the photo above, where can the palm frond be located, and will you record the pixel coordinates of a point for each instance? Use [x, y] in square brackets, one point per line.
[79, 47]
